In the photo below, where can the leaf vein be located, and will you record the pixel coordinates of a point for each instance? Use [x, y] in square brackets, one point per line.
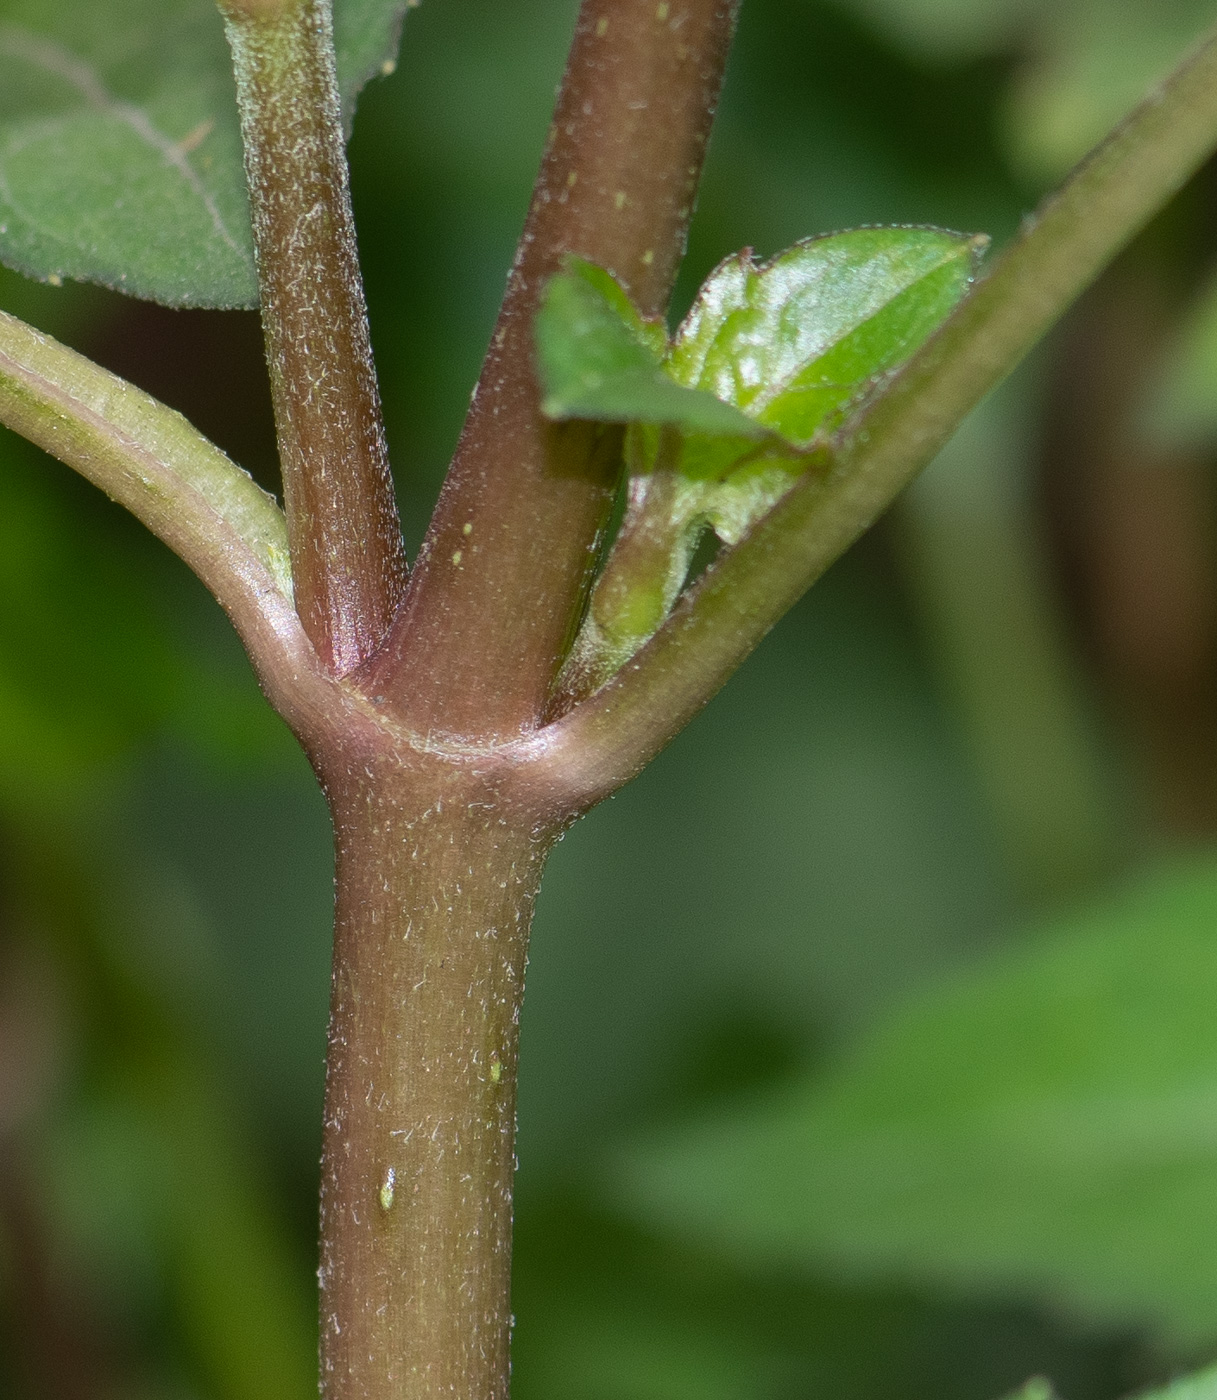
[39, 52]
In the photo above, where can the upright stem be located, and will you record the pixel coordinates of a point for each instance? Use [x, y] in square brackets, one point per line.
[501, 580]
[436, 883]
[346, 550]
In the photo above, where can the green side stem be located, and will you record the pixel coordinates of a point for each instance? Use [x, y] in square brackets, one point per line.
[641, 578]
[185, 490]
[611, 736]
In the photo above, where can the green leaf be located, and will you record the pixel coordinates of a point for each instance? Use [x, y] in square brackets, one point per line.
[120, 150]
[1044, 1124]
[599, 360]
[793, 342]
[769, 360]
[367, 36]
[788, 344]
[798, 342]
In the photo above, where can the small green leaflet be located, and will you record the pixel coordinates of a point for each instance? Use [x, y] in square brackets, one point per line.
[599, 359]
[768, 363]
[1043, 1125]
[769, 360]
[793, 343]
[786, 345]
[120, 149]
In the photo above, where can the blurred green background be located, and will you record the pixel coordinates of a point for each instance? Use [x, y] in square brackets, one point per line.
[868, 1047]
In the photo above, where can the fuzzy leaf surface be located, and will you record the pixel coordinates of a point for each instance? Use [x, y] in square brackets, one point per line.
[1045, 1125]
[120, 148]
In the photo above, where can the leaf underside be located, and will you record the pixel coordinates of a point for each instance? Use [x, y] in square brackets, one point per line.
[120, 147]
[1045, 1126]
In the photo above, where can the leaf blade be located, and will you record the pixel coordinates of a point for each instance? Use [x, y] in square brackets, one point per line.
[599, 361]
[836, 311]
[1043, 1124]
[367, 36]
[120, 149]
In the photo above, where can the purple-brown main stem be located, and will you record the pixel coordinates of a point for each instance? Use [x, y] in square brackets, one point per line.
[505, 567]
[436, 884]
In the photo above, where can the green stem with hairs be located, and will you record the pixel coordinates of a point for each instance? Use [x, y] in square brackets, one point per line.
[1060, 250]
[346, 550]
[167, 474]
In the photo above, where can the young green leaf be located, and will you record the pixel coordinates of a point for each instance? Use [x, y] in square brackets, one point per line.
[794, 341]
[769, 360]
[787, 344]
[797, 342]
[1043, 1123]
[600, 360]
[120, 152]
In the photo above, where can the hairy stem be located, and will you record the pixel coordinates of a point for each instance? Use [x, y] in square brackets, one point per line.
[436, 883]
[346, 550]
[152, 461]
[1059, 252]
[502, 576]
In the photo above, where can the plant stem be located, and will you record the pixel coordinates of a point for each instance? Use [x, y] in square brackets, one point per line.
[502, 577]
[436, 883]
[1060, 250]
[641, 578]
[151, 460]
[346, 551]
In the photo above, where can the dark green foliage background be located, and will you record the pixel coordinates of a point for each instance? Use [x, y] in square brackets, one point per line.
[928, 758]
